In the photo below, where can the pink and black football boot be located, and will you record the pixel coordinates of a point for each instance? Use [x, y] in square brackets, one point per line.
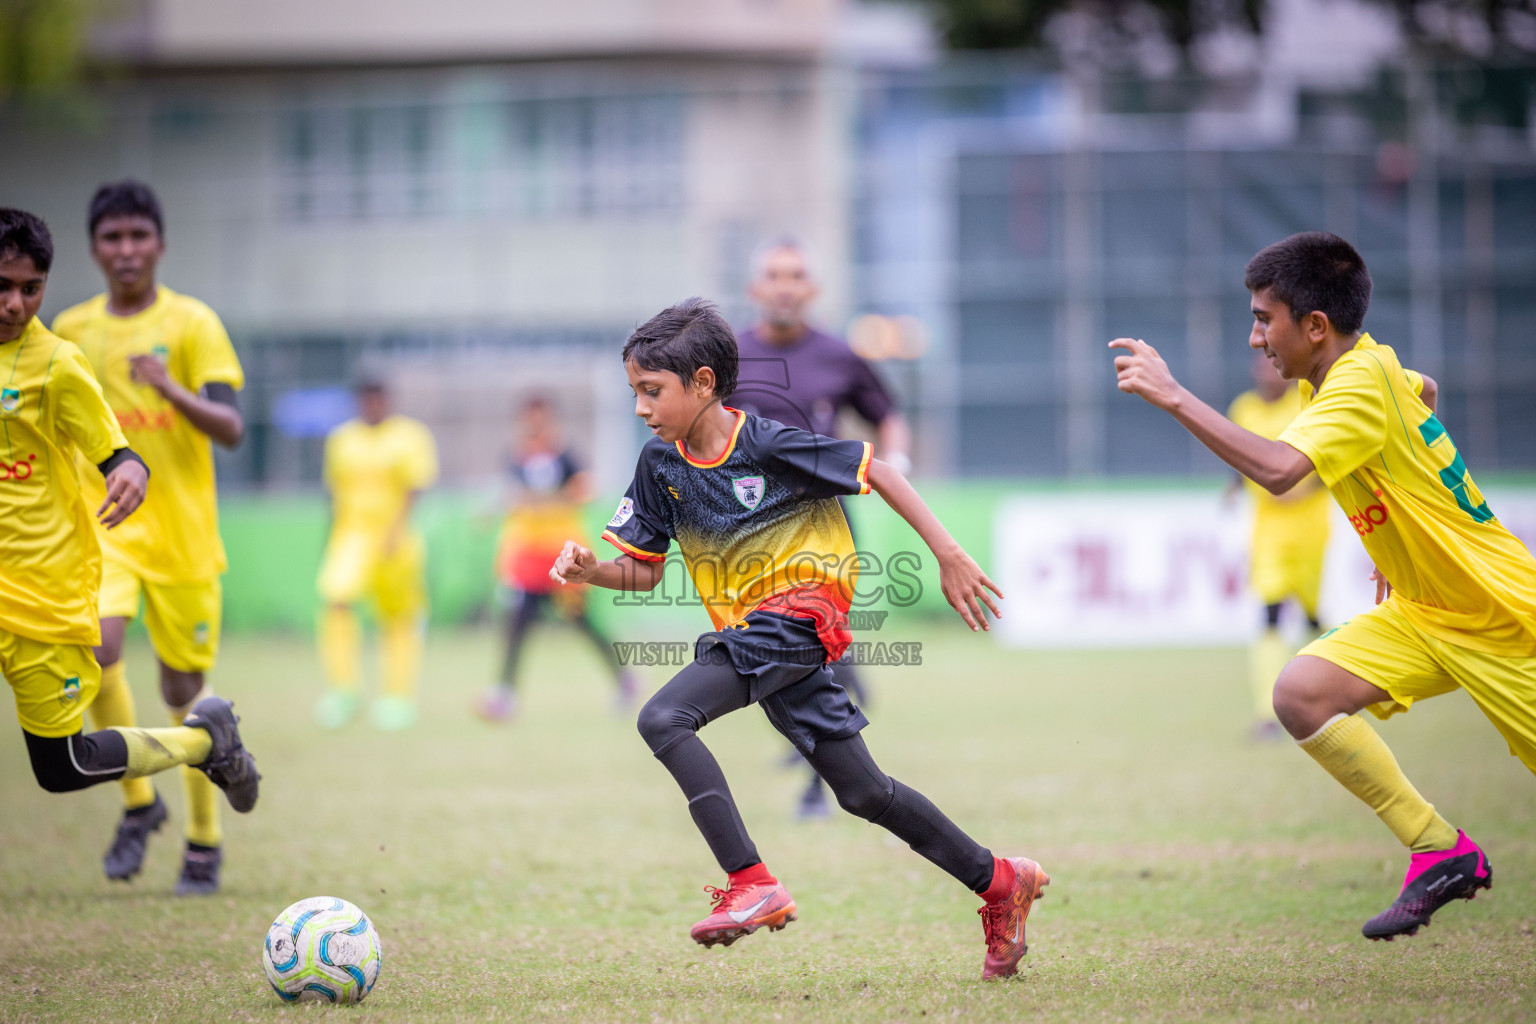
[1434, 879]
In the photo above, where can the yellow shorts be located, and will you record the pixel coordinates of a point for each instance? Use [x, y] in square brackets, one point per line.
[1384, 648]
[355, 569]
[1287, 567]
[53, 683]
[183, 619]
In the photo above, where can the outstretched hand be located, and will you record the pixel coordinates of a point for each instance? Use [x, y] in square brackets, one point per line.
[126, 486]
[576, 564]
[1141, 371]
[965, 587]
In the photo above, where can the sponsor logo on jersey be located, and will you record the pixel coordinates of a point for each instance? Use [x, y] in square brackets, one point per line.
[200, 633]
[71, 691]
[147, 419]
[10, 399]
[625, 512]
[1367, 519]
[749, 490]
[161, 353]
[21, 469]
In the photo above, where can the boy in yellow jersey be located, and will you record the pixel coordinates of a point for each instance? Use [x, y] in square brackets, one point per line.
[1459, 589]
[50, 564]
[170, 375]
[1290, 535]
[376, 466]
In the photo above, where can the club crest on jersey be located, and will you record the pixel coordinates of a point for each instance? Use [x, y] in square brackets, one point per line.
[625, 511]
[749, 490]
[10, 399]
[71, 691]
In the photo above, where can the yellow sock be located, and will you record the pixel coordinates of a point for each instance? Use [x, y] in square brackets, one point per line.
[114, 706]
[203, 826]
[154, 750]
[341, 641]
[402, 642]
[1266, 658]
[1352, 752]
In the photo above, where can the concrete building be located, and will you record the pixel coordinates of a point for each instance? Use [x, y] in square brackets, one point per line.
[485, 195]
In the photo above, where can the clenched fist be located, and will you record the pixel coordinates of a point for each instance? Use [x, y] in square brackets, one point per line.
[576, 564]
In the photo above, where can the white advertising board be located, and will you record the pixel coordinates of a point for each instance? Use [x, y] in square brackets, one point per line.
[1161, 568]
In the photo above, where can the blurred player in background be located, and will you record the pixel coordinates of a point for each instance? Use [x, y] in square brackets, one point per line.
[51, 409]
[1289, 538]
[170, 375]
[802, 377]
[750, 504]
[1460, 607]
[548, 492]
[376, 466]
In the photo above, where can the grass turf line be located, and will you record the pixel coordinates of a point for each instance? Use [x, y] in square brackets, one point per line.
[548, 870]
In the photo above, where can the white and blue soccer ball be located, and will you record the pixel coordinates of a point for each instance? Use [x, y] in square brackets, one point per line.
[322, 950]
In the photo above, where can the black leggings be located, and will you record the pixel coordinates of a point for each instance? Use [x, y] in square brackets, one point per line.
[522, 617]
[64, 764]
[704, 691]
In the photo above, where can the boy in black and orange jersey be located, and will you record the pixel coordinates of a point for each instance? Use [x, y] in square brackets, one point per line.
[752, 505]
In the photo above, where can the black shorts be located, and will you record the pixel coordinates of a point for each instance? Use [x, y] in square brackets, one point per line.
[786, 668]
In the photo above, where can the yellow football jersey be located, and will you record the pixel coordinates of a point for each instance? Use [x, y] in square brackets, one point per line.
[1302, 511]
[371, 471]
[174, 537]
[50, 564]
[1456, 572]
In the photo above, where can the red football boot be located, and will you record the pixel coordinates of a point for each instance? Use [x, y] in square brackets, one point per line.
[1002, 920]
[743, 909]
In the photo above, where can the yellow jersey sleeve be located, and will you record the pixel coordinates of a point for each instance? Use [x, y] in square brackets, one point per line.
[1415, 380]
[209, 354]
[418, 463]
[81, 409]
[1344, 426]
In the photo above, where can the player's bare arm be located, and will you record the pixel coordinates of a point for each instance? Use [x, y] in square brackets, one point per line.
[1431, 393]
[1273, 465]
[896, 442]
[221, 421]
[127, 483]
[964, 585]
[578, 564]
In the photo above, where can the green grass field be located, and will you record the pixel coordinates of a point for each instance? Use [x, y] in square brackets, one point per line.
[548, 870]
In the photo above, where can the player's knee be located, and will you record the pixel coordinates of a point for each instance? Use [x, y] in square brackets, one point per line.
[110, 652]
[1298, 697]
[867, 799]
[662, 724]
[53, 768]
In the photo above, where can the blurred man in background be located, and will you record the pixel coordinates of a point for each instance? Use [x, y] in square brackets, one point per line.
[1290, 536]
[376, 466]
[170, 375]
[802, 377]
[548, 491]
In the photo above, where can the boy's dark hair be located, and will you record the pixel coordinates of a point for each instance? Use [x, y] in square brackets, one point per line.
[126, 198]
[684, 337]
[1315, 270]
[25, 234]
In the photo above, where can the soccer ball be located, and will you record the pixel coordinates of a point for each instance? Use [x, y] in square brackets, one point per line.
[322, 950]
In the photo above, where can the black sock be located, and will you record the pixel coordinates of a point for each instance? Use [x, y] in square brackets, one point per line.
[710, 802]
[914, 819]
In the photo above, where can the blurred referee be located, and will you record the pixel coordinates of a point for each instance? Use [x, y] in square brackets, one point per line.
[803, 378]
